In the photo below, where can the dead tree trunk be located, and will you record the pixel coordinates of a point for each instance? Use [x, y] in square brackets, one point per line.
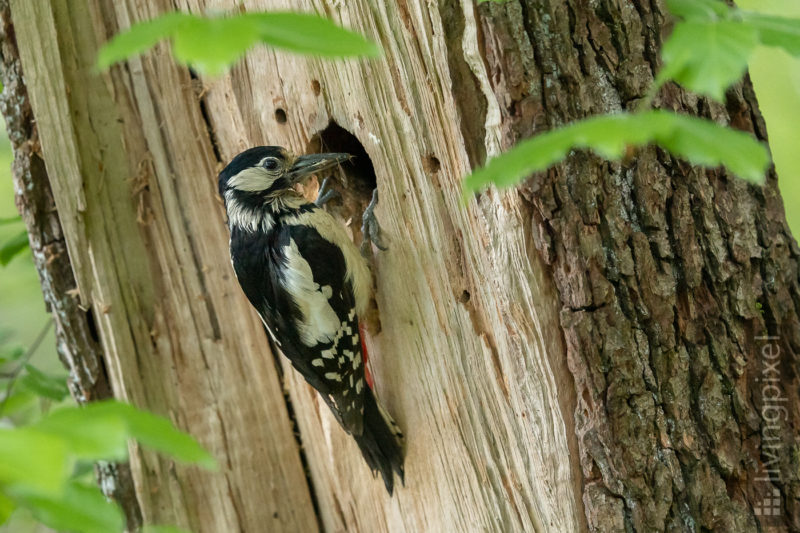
[593, 349]
[77, 343]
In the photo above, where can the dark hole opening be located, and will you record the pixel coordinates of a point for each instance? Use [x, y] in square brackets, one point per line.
[91, 325]
[355, 181]
[355, 178]
[315, 87]
[431, 164]
[280, 116]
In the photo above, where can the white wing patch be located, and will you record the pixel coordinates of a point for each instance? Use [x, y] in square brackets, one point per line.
[318, 322]
[357, 270]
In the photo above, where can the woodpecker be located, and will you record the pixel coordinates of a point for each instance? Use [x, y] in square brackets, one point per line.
[309, 283]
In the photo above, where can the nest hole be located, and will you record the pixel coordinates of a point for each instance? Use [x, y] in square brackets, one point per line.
[355, 181]
[280, 116]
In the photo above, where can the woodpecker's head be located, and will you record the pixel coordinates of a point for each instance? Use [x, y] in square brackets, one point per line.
[269, 172]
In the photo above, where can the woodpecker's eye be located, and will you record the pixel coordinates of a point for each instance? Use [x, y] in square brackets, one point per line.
[271, 163]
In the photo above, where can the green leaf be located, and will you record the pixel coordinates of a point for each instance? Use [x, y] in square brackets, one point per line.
[12, 353]
[163, 529]
[101, 430]
[10, 220]
[89, 432]
[19, 401]
[139, 38]
[158, 433]
[80, 508]
[211, 44]
[33, 460]
[12, 247]
[699, 141]
[84, 471]
[309, 34]
[706, 10]
[776, 31]
[707, 57]
[36, 381]
[706, 143]
[7, 507]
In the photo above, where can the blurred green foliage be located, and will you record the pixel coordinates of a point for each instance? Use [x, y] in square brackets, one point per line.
[47, 444]
[213, 43]
[46, 454]
[776, 78]
[710, 47]
[40, 459]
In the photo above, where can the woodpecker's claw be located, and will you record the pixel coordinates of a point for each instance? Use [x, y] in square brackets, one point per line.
[370, 228]
[326, 193]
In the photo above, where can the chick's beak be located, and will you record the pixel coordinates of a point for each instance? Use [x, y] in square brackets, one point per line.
[306, 165]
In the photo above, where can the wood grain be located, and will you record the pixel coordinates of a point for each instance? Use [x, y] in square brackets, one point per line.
[473, 380]
[468, 358]
[133, 171]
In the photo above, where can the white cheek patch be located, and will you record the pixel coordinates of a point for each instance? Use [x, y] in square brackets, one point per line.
[318, 321]
[252, 179]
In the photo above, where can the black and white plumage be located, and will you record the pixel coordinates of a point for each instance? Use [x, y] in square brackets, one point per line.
[309, 284]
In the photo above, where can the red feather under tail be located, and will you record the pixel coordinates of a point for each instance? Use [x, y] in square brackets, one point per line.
[362, 332]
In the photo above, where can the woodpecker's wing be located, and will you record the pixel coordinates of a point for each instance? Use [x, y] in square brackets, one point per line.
[319, 333]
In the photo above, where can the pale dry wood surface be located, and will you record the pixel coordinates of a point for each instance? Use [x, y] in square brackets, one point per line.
[131, 167]
[470, 358]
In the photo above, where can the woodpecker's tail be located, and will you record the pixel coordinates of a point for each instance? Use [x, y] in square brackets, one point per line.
[381, 442]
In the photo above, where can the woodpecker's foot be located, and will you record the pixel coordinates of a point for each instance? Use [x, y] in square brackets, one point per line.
[370, 228]
[326, 193]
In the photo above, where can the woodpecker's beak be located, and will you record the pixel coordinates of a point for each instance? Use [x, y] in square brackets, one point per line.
[306, 165]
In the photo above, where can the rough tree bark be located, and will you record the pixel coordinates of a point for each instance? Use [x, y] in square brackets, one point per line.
[591, 350]
[78, 345]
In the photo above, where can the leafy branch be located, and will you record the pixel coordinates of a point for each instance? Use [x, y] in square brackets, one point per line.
[707, 51]
[213, 43]
[37, 377]
[43, 459]
[701, 141]
[39, 460]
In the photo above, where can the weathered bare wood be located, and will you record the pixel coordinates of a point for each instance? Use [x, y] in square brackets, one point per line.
[469, 357]
[132, 172]
[493, 453]
[76, 336]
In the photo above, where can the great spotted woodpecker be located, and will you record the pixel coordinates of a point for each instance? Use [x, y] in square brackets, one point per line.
[309, 283]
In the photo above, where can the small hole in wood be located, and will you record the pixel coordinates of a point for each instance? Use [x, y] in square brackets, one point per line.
[464, 298]
[431, 164]
[315, 87]
[280, 116]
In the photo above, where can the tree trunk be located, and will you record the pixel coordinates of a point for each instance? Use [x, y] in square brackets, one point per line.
[78, 345]
[611, 345]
